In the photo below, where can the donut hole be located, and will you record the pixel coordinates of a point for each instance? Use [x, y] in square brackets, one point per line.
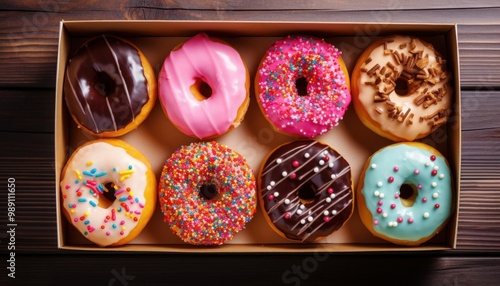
[201, 90]
[408, 194]
[301, 86]
[307, 193]
[108, 196]
[401, 88]
[208, 191]
[104, 84]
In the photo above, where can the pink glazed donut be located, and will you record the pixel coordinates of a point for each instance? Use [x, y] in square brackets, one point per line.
[204, 87]
[302, 86]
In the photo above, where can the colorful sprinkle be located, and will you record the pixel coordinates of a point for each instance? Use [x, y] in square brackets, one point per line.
[212, 224]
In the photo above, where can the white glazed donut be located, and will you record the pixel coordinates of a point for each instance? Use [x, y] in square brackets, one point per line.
[94, 172]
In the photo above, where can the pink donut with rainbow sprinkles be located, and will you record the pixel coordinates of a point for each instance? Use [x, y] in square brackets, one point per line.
[302, 86]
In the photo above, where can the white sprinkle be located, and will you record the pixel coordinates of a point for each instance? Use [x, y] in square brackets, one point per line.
[316, 169]
[272, 183]
[325, 213]
[381, 195]
[306, 155]
[441, 176]
[435, 195]
[325, 153]
[287, 202]
[328, 200]
[379, 184]
[374, 166]
[334, 212]
[302, 207]
[332, 196]
[390, 224]
[284, 174]
[269, 188]
[384, 214]
[321, 162]
[303, 221]
[276, 194]
[333, 176]
[310, 218]
[330, 164]
[436, 167]
[426, 215]
[427, 164]
[376, 193]
[299, 212]
[279, 160]
[434, 184]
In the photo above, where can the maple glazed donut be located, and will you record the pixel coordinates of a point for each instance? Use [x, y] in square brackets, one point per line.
[305, 190]
[204, 87]
[108, 191]
[405, 193]
[401, 89]
[207, 193]
[302, 86]
[109, 86]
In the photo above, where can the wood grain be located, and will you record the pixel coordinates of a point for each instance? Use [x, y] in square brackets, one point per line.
[28, 50]
[306, 269]
[32, 38]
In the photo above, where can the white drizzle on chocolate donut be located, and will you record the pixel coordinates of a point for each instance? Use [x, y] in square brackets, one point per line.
[306, 190]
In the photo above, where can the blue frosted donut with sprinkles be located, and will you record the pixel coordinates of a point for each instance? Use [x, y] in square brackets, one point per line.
[405, 193]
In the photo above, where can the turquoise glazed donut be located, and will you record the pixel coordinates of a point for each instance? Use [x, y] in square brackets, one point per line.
[405, 194]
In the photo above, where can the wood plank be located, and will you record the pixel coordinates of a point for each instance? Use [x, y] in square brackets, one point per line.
[479, 49]
[304, 269]
[30, 38]
[27, 110]
[479, 215]
[26, 145]
[35, 208]
[261, 5]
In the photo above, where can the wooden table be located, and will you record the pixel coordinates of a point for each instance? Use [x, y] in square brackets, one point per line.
[28, 47]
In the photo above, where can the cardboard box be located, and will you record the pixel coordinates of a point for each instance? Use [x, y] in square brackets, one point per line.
[157, 138]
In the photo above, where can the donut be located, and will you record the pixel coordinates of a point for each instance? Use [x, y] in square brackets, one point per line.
[109, 86]
[305, 190]
[405, 193]
[204, 87]
[401, 89]
[207, 193]
[108, 191]
[302, 86]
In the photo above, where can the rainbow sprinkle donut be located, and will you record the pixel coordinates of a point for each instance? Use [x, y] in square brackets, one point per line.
[207, 193]
[404, 193]
[302, 86]
[108, 191]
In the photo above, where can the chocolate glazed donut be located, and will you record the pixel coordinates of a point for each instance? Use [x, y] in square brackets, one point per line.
[106, 85]
[306, 190]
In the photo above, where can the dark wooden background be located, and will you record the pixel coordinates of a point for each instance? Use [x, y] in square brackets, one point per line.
[28, 48]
